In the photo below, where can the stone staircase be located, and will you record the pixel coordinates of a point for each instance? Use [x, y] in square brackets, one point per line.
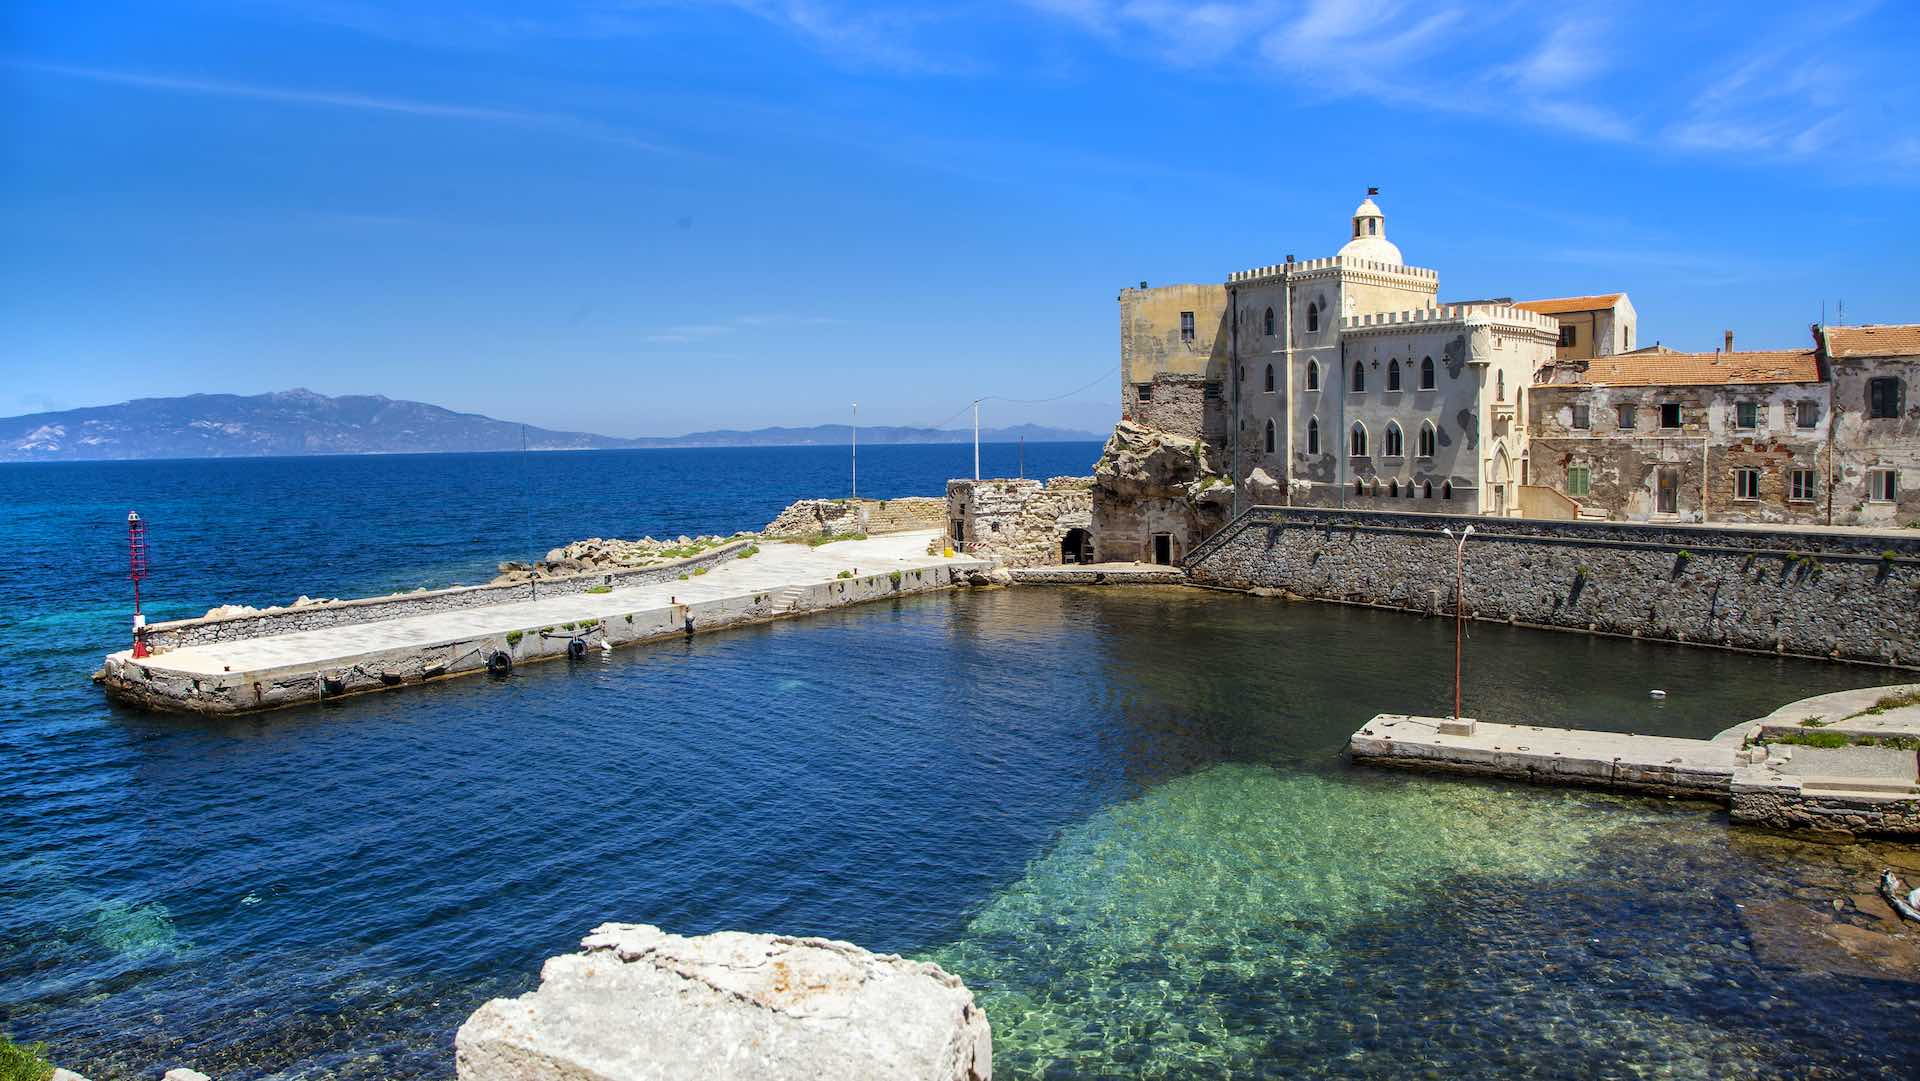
[789, 598]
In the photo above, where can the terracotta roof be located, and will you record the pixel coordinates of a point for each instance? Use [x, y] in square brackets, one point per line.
[1563, 305]
[1890, 340]
[1703, 369]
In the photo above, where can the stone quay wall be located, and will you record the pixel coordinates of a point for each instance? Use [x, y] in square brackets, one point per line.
[1839, 594]
[204, 631]
[1783, 807]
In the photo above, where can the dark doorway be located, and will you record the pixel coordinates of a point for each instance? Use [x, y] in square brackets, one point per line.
[1163, 549]
[1076, 547]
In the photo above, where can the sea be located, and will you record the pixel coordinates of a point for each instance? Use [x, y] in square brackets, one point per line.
[1124, 816]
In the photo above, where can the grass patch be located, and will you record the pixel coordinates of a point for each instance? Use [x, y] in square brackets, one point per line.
[598, 589]
[23, 1062]
[749, 551]
[844, 574]
[1818, 721]
[698, 571]
[513, 637]
[1891, 701]
[1828, 740]
[629, 619]
[894, 578]
[546, 630]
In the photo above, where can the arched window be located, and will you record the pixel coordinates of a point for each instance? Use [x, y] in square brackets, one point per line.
[1426, 490]
[1426, 373]
[1359, 487]
[1313, 375]
[1446, 490]
[1373, 227]
[1359, 376]
[1393, 374]
[1394, 447]
[1269, 379]
[1269, 437]
[1427, 439]
[1393, 489]
[1359, 441]
[1313, 318]
[1313, 437]
[1266, 324]
[1499, 386]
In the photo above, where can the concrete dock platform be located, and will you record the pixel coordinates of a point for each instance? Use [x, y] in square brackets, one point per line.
[1099, 574]
[1632, 763]
[779, 580]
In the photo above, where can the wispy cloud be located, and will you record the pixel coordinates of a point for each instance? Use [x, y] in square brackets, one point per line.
[562, 123]
[689, 333]
[889, 39]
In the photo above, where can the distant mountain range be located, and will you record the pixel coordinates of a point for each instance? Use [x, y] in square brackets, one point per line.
[302, 422]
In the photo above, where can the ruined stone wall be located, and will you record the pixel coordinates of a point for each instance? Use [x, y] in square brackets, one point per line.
[1020, 523]
[1821, 594]
[1149, 482]
[814, 517]
[194, 632]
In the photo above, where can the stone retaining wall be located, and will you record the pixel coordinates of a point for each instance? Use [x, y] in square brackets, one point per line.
[1832, 594]
[198, 632]
[814, 517]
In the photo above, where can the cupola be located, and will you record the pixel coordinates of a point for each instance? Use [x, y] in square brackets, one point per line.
[1370, 234]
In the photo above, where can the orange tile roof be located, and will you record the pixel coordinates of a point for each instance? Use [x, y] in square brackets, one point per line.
[1563, 305]
[1703, 369]
[1888, 340]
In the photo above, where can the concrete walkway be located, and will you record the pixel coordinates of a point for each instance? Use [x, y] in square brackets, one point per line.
[1662, 764]
[780, 580]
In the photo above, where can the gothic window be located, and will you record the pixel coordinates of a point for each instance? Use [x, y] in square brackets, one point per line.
[1359, 441]
[1393, 488]
[1446, 490]
[1359, 376]
[1313, 437]
[1269, 379]
[1313, 318]
[1313, 375]
[1426, 490]
[1499, 386]
[1266, 324]
[1393, 374]
[1269, 437]
[1426, 373]
[1359, 487]
[1394, 447]
[1427, 439]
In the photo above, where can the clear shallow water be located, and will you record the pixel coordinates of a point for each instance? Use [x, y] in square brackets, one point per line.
[1124, 817]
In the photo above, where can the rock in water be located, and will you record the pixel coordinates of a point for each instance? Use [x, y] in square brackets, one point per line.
[638, 1004]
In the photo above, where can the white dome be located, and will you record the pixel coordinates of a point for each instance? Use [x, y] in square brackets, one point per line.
[1370, 236]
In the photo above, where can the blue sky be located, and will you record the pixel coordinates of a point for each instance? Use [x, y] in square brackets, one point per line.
[648, 218]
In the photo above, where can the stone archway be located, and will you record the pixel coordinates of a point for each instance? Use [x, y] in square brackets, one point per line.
[1076, 546]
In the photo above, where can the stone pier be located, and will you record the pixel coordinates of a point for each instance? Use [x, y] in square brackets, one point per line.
[265, 661]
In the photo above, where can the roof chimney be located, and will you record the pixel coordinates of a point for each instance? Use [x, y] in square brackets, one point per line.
[1143, 285]
[1729, 341]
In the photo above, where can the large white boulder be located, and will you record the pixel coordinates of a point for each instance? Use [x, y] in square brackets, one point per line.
[638, 1004]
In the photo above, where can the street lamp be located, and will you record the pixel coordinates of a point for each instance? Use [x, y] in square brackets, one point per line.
[1459, 606]
[856, 450]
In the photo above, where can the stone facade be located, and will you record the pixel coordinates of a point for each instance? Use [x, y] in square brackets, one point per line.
[1876, 437]
[1845, 595]
[1156, 495]
[1023, 523]
[833, 517]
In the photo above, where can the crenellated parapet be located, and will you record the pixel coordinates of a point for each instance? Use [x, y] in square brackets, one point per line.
[1312, 268]
[1499, 315]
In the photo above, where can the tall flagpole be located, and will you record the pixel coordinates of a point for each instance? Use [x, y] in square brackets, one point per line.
[976, 439]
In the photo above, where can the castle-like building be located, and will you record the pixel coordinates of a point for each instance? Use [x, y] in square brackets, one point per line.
[1346, 381]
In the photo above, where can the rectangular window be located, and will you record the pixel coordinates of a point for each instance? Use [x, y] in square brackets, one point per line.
[1806, 413]
[1883, 485]
[1186, 326]
[1883, 398]
[1801, 486]
[1579, 480]
[1144, 391]
[1568, 334]
[1582, 420]
[1746, 414]
[1625, 413]
[1746, 484]
[1670, 414]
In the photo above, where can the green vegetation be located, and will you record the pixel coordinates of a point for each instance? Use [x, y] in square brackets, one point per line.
[23, 1062]
[1815, 721]
[598, 589]
[1887, 702]
[1889, 555]
[844, 574]
[546, 630]
[1582, 571]
[749, 551]
[629, 617]
[513, 637]
[1828, 740]
[698, 571]
[1685, 555]
[894, 578]
[683, 578]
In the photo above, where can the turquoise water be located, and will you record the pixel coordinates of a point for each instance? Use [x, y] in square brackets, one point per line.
[1124, 817]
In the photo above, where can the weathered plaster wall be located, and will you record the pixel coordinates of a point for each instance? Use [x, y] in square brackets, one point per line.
[1862, 443]
[1826, 594]
[1021, 523]
[1151, 343]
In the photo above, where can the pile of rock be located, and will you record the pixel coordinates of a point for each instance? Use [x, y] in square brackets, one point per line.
[604, 553]
[817, 517]
[226, 611]
[638, 1003]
